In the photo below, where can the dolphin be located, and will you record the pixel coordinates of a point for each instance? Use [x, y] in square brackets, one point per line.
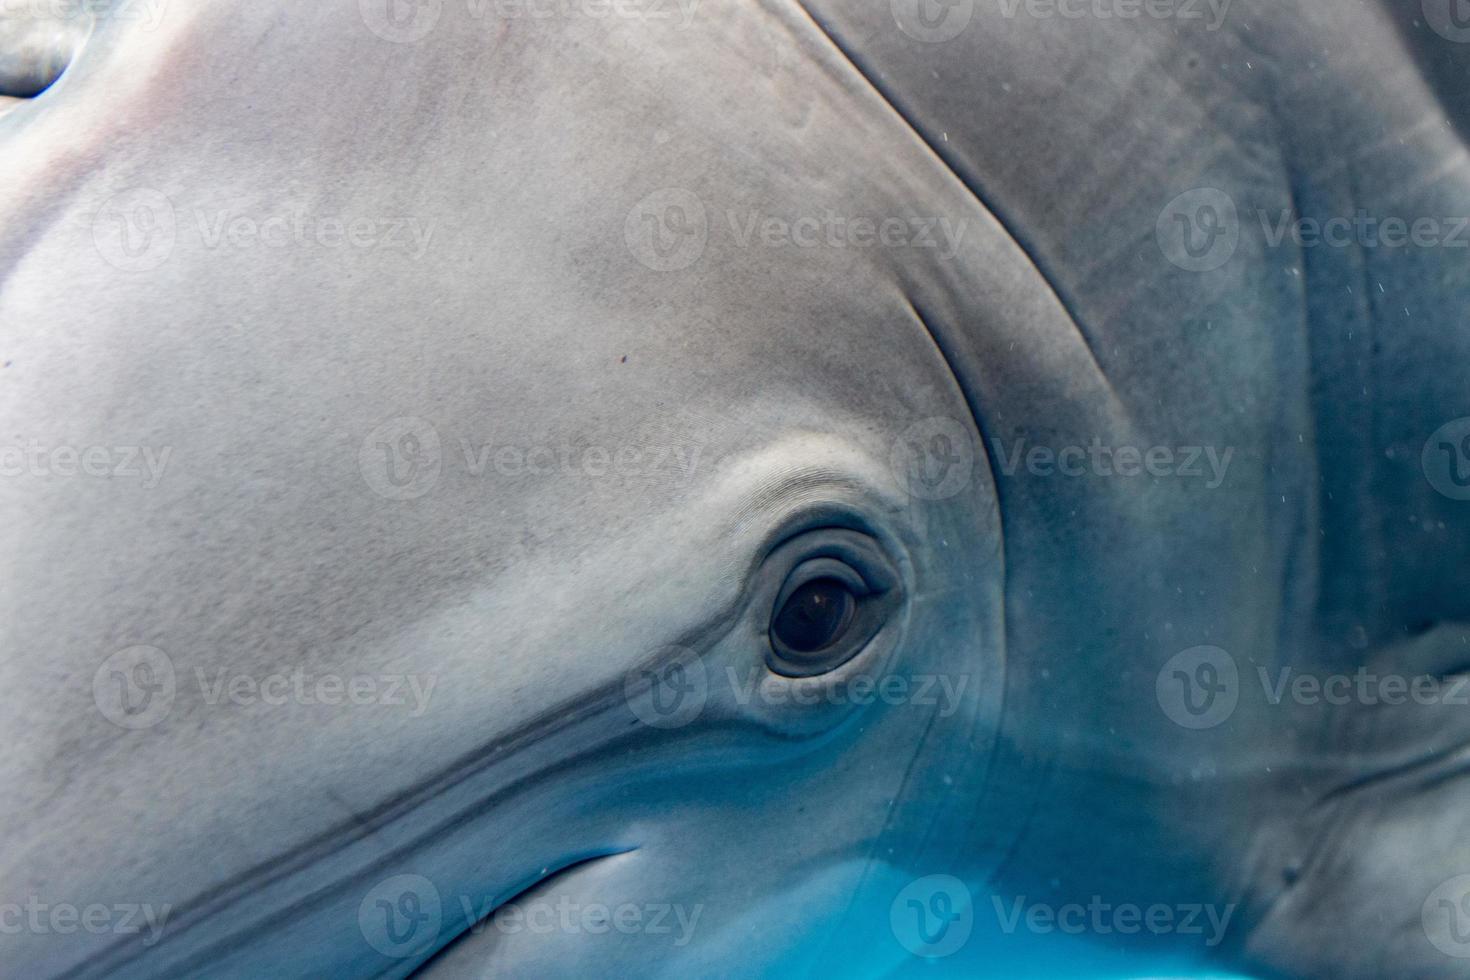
[519, 488]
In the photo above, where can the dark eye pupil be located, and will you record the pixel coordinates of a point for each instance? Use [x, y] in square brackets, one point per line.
[814, 616]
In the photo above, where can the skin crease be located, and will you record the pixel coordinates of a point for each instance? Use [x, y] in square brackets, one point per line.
[764, 387]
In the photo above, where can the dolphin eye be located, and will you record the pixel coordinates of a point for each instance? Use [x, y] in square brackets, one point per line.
[824, 616]
[814, 616]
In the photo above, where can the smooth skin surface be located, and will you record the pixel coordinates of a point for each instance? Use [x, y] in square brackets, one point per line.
[523, 357]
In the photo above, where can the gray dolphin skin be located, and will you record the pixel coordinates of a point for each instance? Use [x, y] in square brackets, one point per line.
[604, 488]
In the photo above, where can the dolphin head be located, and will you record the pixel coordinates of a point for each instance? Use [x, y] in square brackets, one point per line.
[499, 559]
[683, 626]
[486, 494]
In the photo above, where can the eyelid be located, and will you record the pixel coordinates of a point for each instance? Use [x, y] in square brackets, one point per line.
[818, 568]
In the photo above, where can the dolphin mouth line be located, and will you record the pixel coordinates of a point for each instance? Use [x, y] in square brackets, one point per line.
[479, 764]
[525, 887]
[1424, 772]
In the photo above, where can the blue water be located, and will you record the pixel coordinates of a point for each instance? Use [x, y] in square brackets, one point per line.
[1037, 958]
